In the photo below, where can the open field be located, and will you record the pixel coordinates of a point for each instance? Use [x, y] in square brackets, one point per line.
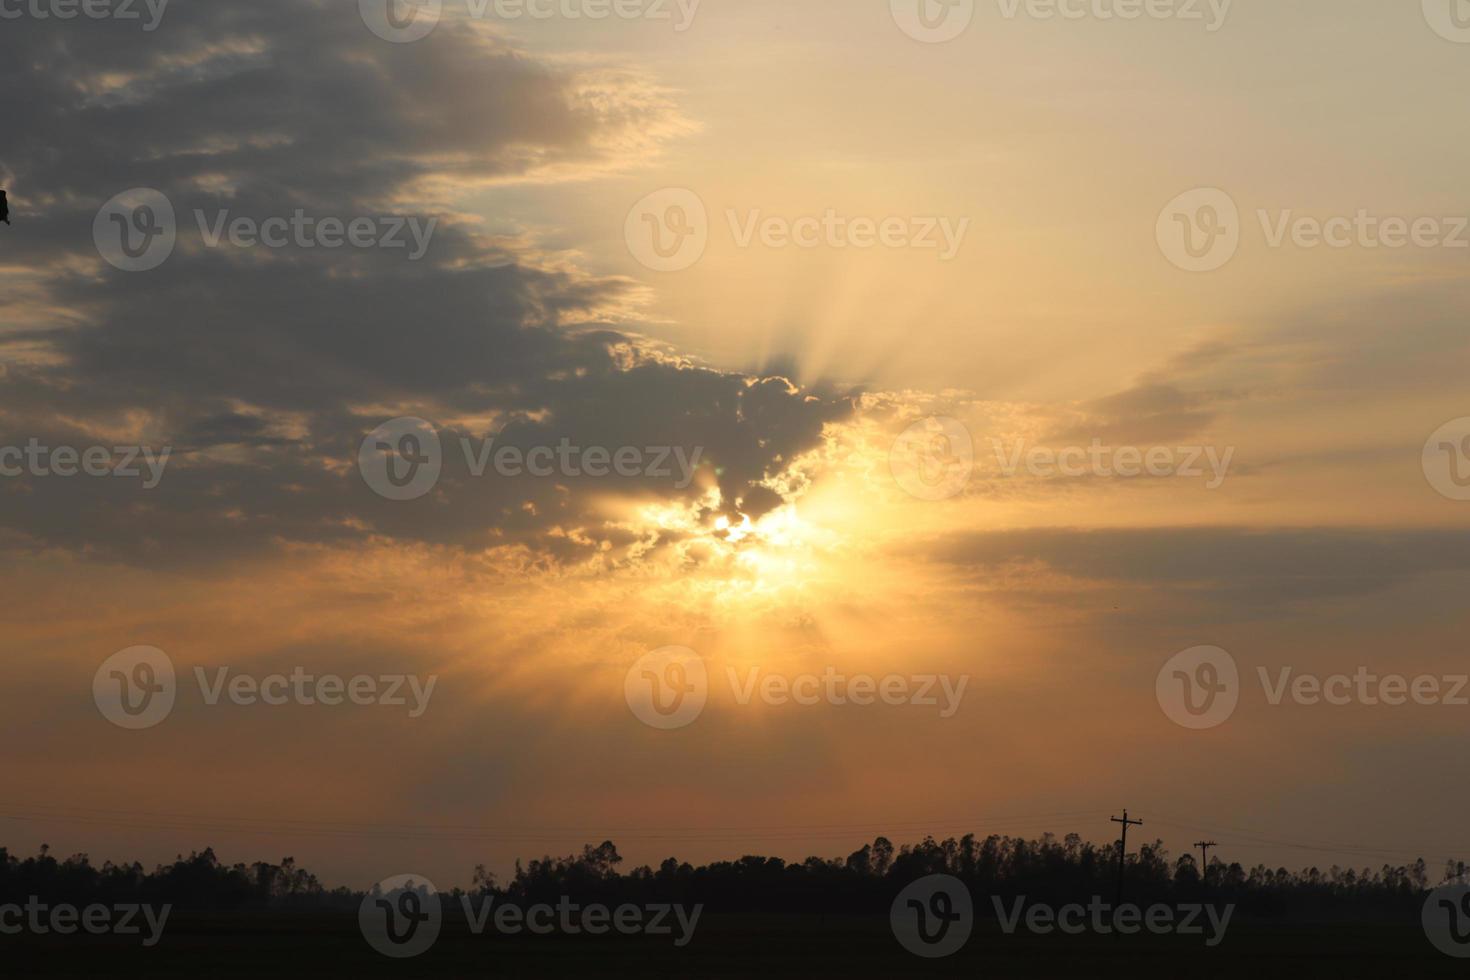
[738, 946]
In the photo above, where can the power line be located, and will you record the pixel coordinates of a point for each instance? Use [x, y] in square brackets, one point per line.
[774, 833]
[1204, 855]
[869, 824]
[286, 827]
[1123, 848]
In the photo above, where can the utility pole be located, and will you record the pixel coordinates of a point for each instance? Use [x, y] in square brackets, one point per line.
[1204, 855]
[1123, 849]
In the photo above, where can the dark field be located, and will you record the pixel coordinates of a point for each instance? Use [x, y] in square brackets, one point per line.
[730, 946]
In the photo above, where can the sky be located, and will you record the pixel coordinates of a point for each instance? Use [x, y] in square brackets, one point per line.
[1005, 368]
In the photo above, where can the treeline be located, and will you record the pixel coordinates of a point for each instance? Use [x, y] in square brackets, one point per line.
[197, 883]
[865, 882]
[1050, 870]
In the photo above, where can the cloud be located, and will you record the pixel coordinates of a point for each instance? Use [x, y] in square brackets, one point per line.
[1145, 414]
[1243, 567]
[265, 368]
[1377, 341]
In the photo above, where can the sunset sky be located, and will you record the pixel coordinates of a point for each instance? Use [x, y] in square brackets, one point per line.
[1053, 147]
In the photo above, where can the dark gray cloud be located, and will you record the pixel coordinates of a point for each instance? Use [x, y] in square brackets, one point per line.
[266, 368]
[1143, 414]
[1229, 566]
[1376, 341]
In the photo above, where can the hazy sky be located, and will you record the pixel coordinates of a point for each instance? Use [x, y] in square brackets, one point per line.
[1301, 379]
